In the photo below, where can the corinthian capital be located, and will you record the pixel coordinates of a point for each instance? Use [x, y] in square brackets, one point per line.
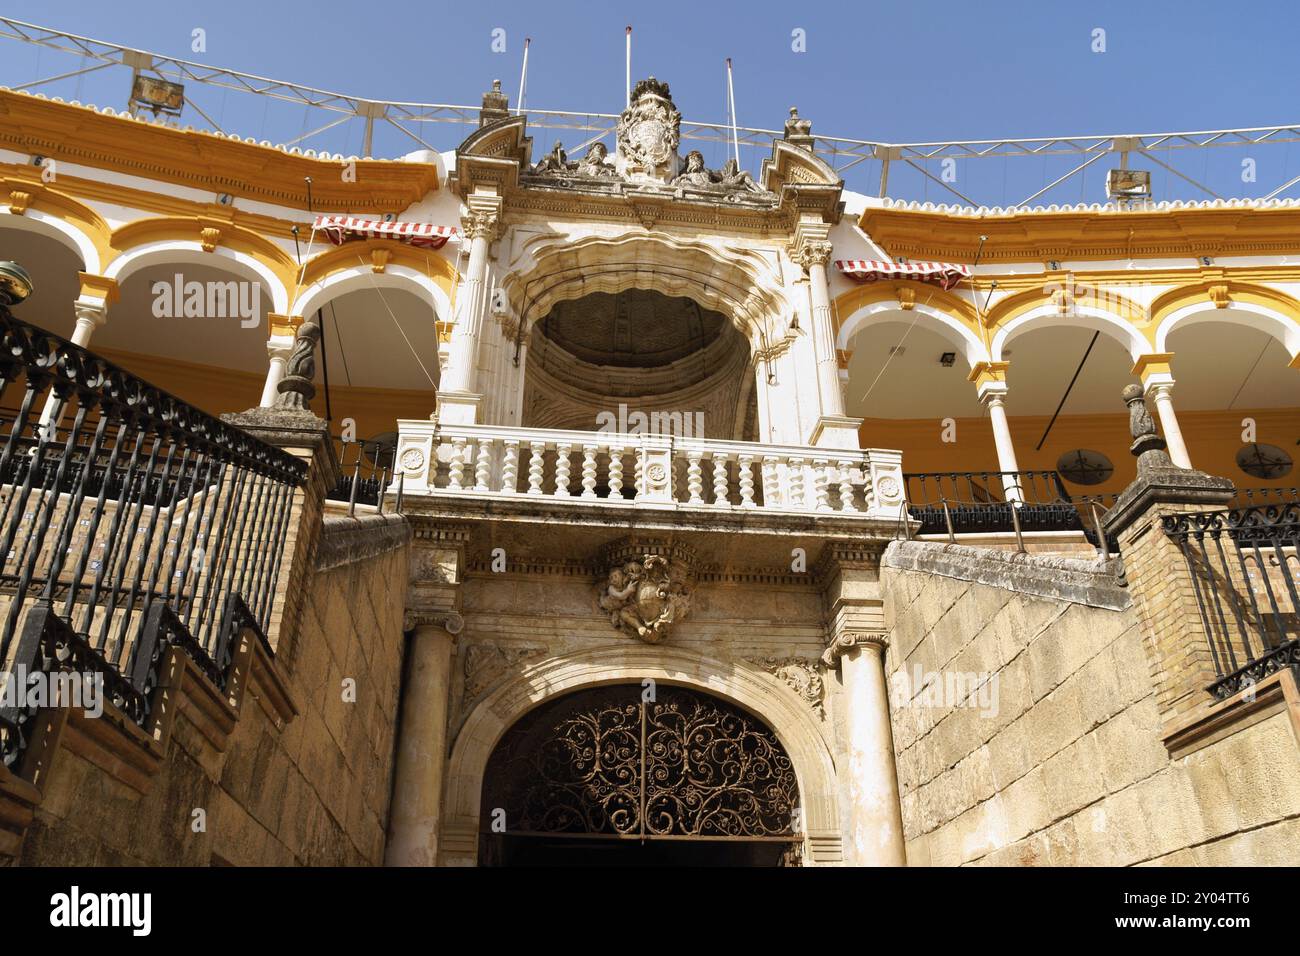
[813, 252]
[478, 224]
[841, 644]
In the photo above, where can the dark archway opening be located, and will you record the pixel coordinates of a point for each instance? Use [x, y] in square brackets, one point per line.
[627, 775]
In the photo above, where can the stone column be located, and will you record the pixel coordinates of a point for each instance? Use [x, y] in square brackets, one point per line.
[1162, 393]
[457, 401]
[813, 256]
[995, 400]
[279, 346]
[874, 834]
[422, 742]
[834, 429]
[91, 309]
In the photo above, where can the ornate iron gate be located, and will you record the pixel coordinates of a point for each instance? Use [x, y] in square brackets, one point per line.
[606, 762]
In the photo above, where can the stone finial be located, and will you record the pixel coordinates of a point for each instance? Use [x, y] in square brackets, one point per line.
[296, 389]
[496, 105]
[798, 131]
[1148, 447]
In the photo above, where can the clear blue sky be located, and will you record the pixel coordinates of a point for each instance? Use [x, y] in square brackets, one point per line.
[896, 71]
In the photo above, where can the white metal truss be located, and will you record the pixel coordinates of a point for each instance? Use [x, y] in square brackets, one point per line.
[842, 153]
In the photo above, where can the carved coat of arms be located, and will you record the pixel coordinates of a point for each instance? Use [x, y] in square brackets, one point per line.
[644, 598]
[649, 131]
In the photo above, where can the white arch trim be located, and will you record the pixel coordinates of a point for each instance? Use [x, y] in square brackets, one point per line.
[361, 276]
[184, 252]
[1249, 314]
[755, 690]
[926, 316]
[63, 232]
[1080, 317]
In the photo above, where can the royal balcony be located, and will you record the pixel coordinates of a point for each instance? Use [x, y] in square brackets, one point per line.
[582, 476]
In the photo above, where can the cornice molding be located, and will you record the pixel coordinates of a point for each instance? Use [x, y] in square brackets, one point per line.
[206, 161]
[1039, 237]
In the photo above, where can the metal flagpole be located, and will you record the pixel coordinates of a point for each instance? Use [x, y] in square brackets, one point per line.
[731, 98]
[523, 77]
[627, 68]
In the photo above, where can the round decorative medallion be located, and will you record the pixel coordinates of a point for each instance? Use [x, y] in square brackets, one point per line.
[412, 459]
[656, 472]
[888, 487]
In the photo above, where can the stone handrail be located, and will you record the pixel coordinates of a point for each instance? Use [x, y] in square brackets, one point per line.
[646, 470]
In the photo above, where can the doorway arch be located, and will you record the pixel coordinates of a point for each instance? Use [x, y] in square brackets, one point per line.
[638, 773]
[753, 690]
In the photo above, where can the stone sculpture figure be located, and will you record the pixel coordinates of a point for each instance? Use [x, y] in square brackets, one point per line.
[644, 598]
[593, 164]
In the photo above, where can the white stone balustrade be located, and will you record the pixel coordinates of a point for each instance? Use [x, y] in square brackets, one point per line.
[590, 469]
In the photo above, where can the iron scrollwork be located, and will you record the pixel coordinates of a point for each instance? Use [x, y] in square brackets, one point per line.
[606, 762]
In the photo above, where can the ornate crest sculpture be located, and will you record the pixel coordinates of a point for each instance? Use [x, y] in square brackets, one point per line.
[643, 598]
[648, 133]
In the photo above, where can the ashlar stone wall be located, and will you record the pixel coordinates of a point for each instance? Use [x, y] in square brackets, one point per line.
[297, 772]
[1027, 732]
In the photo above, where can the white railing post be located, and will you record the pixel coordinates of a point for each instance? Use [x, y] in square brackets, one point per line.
[589, 471]
[771, 481]
[721, 498]
[744, 465]
[845, 469]
[794, 472]
[456, 472]
[821, 491]
[483, 464]
[694, 477]
[510, 467]
[615, 472]
[536, 462]
[562, 469]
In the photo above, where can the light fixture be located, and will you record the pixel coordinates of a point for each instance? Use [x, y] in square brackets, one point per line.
[158, 95]
[1128, 184]
[15, 283]
[947, 359]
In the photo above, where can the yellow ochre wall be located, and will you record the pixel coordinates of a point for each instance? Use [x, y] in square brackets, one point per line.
[1212, 438]
[218, 390]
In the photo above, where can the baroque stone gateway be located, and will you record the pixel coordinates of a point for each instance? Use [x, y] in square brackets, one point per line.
[652, 548]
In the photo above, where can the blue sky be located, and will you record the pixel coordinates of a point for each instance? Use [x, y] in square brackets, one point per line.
[893, 72]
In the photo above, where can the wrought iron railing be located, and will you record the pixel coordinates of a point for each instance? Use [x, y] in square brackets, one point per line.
[365, 469]
[1244, 568]
[129, 522]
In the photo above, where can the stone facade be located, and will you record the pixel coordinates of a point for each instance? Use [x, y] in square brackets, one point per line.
[1066, 764]
[288, 772]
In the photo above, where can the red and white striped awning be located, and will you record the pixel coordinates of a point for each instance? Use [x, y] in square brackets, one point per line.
[943, 274]
[339, 229]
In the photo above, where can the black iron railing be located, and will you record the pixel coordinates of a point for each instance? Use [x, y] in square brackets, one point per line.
[1244, 567]
[366, 468]
[129, 522]
[991, 502]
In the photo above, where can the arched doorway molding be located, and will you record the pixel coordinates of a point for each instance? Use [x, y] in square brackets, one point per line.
[756, 691]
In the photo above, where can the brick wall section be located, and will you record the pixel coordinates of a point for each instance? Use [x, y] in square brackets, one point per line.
[1070, 768]
[312, 791]
[1163, 593]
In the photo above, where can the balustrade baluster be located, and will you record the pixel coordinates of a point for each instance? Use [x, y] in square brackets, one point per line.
[615, 472]
[821, 492]
[483, 463]
[720, 493]
[794, 470]
[562, 465]
[846, 486]
[744, 465]
[510, 466]
[536, 462]
[456, 469]
[589, 471]
[694, 477]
